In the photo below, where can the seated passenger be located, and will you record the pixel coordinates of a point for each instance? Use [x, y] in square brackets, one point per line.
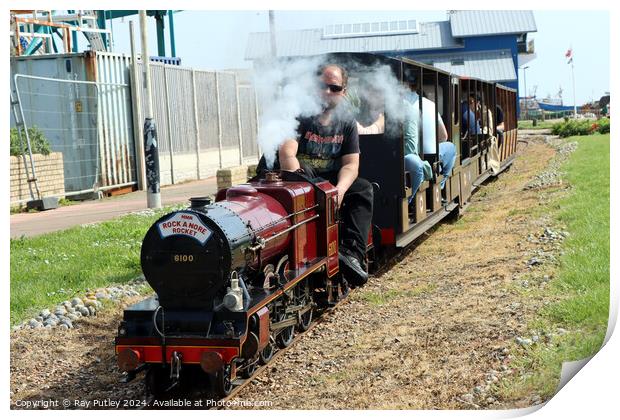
[420, 169]
[367, 105]
[470, 123]
[377, 127]
[500, 124]
[489, 128]
[487, 123]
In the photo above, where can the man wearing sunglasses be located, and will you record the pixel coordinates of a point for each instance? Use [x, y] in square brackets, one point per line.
[327, 146]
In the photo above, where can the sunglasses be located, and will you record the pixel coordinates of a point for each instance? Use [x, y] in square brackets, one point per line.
[332, 88]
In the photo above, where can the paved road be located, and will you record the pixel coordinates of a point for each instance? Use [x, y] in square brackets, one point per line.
[31, 224]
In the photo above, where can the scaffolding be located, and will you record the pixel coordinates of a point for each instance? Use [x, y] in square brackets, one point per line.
[36, 31]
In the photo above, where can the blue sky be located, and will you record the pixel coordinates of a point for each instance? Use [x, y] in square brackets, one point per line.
[217, 40]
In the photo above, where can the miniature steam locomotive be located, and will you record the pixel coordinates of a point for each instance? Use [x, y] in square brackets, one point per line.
[233, 278]
[237, 277]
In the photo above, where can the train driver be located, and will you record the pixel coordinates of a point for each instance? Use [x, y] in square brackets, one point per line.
[327, 145]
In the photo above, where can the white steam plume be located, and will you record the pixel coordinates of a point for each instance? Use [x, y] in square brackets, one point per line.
[285, 90]
[289, 89]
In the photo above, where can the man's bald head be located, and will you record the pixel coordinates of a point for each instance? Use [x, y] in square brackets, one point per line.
[334, 71]
[333, 84]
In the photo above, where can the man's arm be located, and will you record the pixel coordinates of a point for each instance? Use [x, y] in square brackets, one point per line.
[443, 133]
[376, 127]
[347, 174]
[288, 155]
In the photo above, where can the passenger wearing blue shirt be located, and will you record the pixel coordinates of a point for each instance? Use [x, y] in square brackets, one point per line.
[415, 164]
[469, 123]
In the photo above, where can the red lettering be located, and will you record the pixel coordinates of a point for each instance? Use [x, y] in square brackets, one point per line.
[310, 136]
[183, 231]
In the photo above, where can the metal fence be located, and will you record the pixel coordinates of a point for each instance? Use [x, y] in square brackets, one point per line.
[82, 120]
[205, 121]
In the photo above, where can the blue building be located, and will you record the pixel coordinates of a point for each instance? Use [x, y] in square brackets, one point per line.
[489, 45]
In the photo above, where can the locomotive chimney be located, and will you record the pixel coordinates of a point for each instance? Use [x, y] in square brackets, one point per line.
[198, 203]
[272, 176]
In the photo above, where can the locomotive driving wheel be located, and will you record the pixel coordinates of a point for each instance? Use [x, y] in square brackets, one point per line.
[303, 299]
[267, 353]
[249, 370]
[284, 338]
[286, 335]
[222, 382]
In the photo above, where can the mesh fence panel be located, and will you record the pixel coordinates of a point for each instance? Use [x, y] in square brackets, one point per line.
[91, 123]
[249, 129]
[228, 110]
[196, 126]
[206, 103]
[66, 113]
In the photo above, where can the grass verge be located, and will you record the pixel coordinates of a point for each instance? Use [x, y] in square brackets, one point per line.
[578, 295]
[540, 125]
[51, 268]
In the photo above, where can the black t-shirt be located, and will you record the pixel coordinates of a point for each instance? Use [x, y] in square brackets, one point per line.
[322, 147]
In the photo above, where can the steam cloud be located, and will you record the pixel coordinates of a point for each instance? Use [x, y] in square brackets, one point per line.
[289, 89]
[285, 90]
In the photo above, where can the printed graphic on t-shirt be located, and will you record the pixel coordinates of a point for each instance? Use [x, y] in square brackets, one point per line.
[322, 147]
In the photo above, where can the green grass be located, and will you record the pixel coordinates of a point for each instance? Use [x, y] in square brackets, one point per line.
[580, 287]
[540, 125]
[51, 268]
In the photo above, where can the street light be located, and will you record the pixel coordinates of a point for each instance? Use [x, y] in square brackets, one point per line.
[525, 83]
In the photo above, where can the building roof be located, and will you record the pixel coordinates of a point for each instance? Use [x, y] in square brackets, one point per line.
[468, 23]
[432, 36]
[488, 65]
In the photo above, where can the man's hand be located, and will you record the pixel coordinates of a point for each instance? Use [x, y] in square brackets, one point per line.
[341, 192]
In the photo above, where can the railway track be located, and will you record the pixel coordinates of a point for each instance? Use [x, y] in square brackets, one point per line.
[213, 403]
[241, 383]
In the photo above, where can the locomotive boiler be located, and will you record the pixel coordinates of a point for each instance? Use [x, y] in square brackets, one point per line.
[233, 279]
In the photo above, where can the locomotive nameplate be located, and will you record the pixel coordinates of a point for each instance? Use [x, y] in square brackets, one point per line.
[185, 224]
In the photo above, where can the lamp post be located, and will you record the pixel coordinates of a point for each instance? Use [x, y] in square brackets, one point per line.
[525, 88]
[151, 153]
[272, 33]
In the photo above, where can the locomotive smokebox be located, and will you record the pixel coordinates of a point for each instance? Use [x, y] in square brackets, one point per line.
[187, 256]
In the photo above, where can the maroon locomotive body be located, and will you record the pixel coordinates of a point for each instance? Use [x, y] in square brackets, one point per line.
[234, 278]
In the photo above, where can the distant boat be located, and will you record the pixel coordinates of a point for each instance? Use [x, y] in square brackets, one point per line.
[546, 106]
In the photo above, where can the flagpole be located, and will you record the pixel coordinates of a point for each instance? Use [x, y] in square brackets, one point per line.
[572, 67]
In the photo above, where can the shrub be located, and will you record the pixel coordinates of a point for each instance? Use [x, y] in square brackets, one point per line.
[38, 142]
[603, 125]
[572, 128]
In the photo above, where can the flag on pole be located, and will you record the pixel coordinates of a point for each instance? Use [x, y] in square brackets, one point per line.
[569, 56]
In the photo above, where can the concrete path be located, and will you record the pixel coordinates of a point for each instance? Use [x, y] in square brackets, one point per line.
[31, 224]
[533, 132]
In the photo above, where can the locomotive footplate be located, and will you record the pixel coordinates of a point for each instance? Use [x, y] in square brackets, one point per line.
[151, 334]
